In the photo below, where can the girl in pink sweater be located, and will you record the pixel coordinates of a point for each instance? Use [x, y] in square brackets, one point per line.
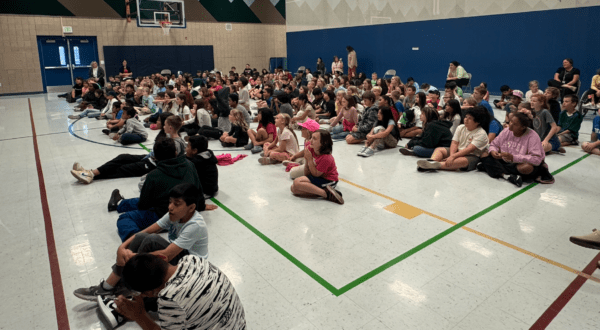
[516, 154]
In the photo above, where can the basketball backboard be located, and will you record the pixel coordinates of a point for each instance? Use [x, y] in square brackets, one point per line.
[151, 12]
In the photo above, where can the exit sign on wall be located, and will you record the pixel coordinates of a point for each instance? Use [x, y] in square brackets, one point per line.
[67, 29]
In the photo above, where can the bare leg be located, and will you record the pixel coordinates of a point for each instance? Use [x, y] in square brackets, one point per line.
[303, 187]
[96, 172]
[351, 140]
[439, 154]
[113, 279]
[594, 137]
[252, 136]
[525, 168]
[458, 163]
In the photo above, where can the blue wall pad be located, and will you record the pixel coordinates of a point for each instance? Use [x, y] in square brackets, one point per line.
[509, 49]
[146, 60]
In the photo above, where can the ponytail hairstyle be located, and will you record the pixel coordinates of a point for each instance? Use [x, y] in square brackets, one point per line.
[170, 105]
[238, 119]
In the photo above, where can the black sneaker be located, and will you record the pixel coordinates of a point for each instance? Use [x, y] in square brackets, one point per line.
[516, 180]
[93, 292]
[114, 200]
[106, 131]
[334, 195]
[108, 311]
[480, 167]
[406, 152]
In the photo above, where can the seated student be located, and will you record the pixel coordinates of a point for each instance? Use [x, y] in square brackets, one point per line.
[216, 306]
[172, 126]
[410, 129]
[124, 165]
[199, 118]
[267, 99]
[569, 121]
[513, 105]
[320, 172]
[187, 235]
[593, 146]
[386, 101]
[384, 135]
[282, 105]
[244, 96]
[234, 104]
[397, 99]
[305, 110]
[452, 113]
[136, 214]
[265, 132]
[534, 88]
[328, 109]
[433, 99]
[181, 109]
[487, 95]
[516, 154]
[133, 131]
[238, 135]
[478, 94]
[348, 116]
[551, 94]
[494, 129]
[285, 144]
[367, 121]
[543, 123]
[308, 127]
[469, 143]
[206, 164]
[76, 91]
[106, 113]
[436, 133]
[504, 98]
[148, 105]
[318, 102]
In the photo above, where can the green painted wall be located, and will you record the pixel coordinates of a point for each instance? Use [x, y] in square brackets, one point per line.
[224, 11]
[34, 7]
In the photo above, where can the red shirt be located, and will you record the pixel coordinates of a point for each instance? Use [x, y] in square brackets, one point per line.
[326, 165]
[271, 129]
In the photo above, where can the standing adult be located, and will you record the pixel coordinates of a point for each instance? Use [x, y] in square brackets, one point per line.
[97, 73]
[565, 78]
[125, 71]
[458, 74]
[320, 67]
[352, 62]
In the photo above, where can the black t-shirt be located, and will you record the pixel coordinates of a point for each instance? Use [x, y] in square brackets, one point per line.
[238, 133]
[554, 109]
[566, 77]
[248, 71]
[129, 96]
[318, 103]
[125, 69]
[330, 108]
[78, 89]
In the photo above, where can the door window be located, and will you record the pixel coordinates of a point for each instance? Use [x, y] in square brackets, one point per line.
[76, 54]
[63, 59]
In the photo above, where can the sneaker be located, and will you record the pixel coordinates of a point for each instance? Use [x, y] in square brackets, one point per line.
[516, 180]
[562, 150]
[147, 124]
[287, 162]
[262, 154]
[106, 131]
[574, 143]
[78, 167]
[74, 117]
[112, 135]
[368, 153]
[480, 167]
[407, 152]
[267, 161]
[334, 195]
[545, 177]
[108, 310]
[419, 169]
[114, 200]
[85, 176]
[249, 146]
[381, 147]
[360, 153]
[591, 241]
[429, 164]
[256, 149]
[93, 292]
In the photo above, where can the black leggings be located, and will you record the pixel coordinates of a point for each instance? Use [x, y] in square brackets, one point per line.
[460, 82]
[495, 168]
[563, 91]
[125, 166]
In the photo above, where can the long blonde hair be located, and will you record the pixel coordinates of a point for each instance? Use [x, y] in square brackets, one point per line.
[239, 119]
[288, 124]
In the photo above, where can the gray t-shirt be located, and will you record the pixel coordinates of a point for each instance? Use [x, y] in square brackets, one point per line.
[542, 123]
[191, 236]
[286, 108]
[243, 109]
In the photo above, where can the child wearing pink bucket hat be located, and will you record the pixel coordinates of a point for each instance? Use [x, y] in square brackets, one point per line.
[295, 164]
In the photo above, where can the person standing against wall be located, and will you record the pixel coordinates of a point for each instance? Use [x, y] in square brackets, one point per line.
[125, 71]
[352, 62]
[97, 73]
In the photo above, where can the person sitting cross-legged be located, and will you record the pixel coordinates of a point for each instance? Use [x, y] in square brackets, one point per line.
[516, 154]
[469, 143]
[593, 147]
[569, 121]
[137, 214]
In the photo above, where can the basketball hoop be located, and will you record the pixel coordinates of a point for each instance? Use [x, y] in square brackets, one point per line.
[166, 27]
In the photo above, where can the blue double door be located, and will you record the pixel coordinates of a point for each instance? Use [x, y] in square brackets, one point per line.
[62, 59]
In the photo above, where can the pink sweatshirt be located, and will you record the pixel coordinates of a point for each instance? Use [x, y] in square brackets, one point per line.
[525, 149]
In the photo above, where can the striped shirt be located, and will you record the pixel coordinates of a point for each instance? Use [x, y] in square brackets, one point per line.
[200, 297]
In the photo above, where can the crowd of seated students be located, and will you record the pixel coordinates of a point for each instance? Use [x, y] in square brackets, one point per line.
[450, 131]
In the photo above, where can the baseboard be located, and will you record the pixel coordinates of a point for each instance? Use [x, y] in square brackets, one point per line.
[26, 93]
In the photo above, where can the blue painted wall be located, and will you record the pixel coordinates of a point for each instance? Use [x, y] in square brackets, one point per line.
[507, 49]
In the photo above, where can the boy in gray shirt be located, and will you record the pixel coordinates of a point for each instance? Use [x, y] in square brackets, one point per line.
[133, 130]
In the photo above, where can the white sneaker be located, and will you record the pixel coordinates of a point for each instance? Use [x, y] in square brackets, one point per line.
[360, 153]
[108, 309]
[85, 176]
[78, 167]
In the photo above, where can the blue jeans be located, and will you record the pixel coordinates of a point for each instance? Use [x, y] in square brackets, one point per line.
[337, 132]
[131, 220]
[130, 138]
[90, 113]
[423, 152]
[596, 125]
[555, 142]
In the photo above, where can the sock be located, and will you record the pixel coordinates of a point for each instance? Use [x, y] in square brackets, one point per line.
[505, 176]
[107, 286]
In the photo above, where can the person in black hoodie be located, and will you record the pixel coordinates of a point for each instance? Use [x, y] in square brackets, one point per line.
[436, 133]
[206, 164]
[137, 214]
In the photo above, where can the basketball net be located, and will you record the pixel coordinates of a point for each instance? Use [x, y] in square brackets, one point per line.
[166, 27]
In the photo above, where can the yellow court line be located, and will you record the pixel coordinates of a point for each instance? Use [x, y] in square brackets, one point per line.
[409, 212]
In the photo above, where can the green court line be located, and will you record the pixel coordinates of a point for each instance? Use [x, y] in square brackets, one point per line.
[445, 233]
[143, 146]
[279, 249]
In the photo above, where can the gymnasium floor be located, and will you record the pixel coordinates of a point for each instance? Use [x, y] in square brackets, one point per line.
[408, 250]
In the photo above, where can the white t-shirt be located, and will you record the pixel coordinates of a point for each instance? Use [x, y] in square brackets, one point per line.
[183, 112]
[418, 121]
[203, 117]
[291, 145]
[478, 137]
[530, 93]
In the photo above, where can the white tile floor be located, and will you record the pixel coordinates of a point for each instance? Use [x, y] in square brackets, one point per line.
[461, 281]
